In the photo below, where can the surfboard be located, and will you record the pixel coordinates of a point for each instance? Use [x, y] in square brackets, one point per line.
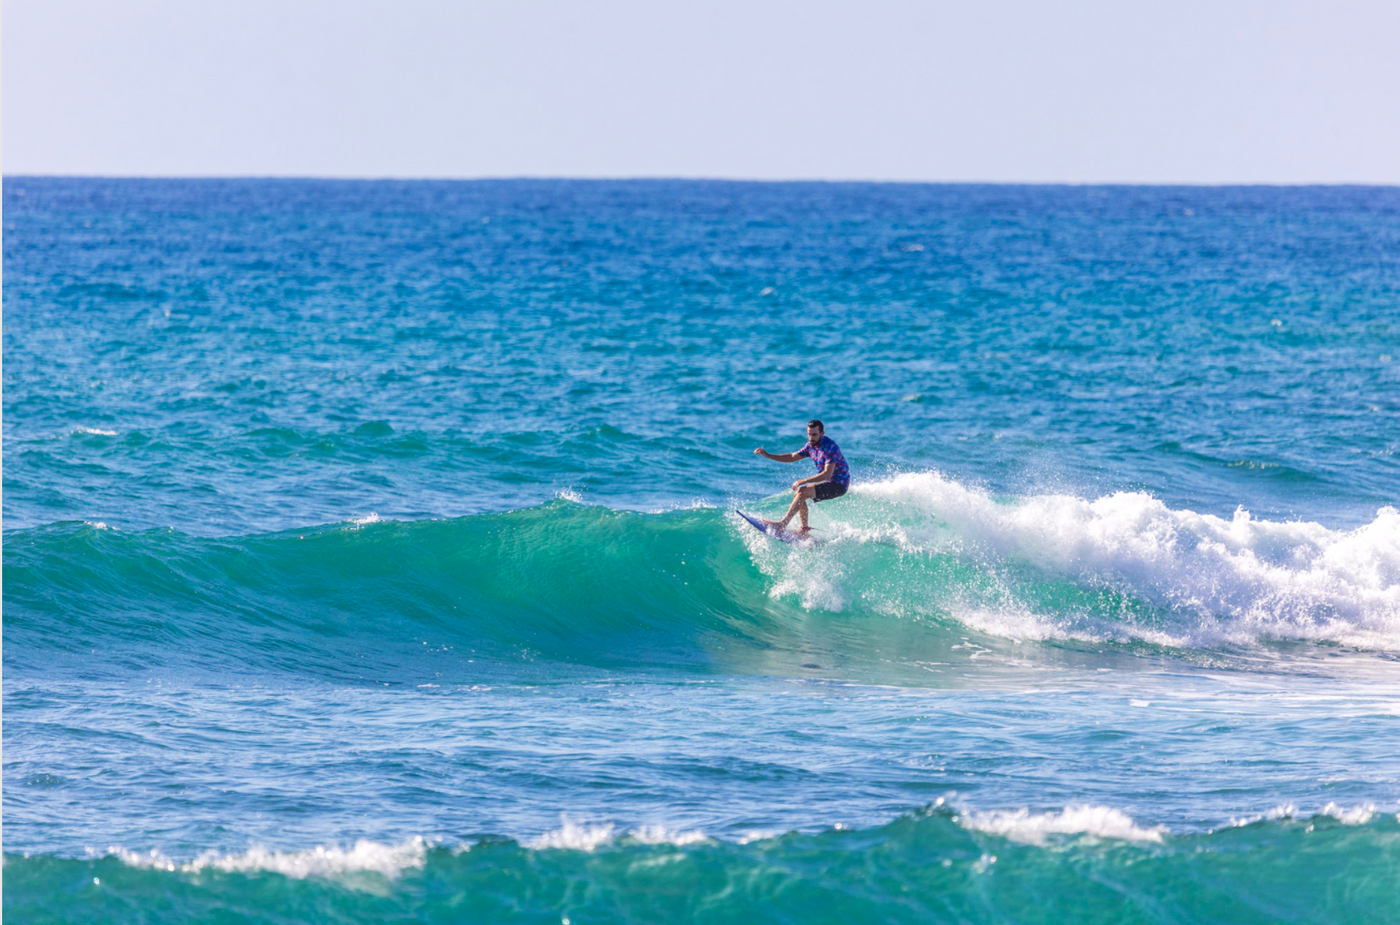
[777, 533]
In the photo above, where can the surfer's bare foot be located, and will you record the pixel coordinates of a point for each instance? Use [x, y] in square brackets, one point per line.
[775, 523]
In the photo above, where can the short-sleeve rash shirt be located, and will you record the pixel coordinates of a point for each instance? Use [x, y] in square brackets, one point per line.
[824, 452]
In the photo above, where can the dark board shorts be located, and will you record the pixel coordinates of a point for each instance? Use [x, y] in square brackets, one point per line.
[828, 490]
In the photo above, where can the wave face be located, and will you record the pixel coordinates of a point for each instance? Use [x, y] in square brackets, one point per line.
[565, 581]
[909, 565]
[927, 867]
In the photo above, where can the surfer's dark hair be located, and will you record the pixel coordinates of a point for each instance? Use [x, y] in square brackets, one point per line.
[816, 422]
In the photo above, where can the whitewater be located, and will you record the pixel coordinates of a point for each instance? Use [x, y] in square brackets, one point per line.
[370, 552]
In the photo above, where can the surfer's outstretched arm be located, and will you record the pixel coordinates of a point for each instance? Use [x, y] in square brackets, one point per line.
[777, 457]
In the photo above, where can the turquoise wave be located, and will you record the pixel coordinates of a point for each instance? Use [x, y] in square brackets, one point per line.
[562, 581]
[924, 868]
[909, 571]
[453, 599]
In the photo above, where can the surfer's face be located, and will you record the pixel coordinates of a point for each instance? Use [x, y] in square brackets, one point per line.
[814, 435]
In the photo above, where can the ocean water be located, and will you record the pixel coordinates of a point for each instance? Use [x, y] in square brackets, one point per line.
[370, 555]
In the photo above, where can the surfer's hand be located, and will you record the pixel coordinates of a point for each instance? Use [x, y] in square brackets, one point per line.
[759, 452]
[797, 486]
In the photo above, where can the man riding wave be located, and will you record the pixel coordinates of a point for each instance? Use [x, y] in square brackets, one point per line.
[831, 481]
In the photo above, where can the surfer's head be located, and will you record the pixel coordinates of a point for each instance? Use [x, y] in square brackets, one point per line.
[815, 429]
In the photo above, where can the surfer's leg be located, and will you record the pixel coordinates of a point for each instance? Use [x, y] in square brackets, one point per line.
[791, 512]
[799, 506]
[807, 492]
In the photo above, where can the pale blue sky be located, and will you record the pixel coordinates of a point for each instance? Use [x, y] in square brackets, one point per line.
[1005, 90]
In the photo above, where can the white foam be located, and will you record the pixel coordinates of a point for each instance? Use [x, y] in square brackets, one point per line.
[1283, 811]
[580, 837]
[574, 836]
[660, 835]
[1357, 815]
[96, 431]
[816, 579]
[753, 835]
[370, 518]
[568, 494]
[1034, 828]
[818, 588]
[321, 861]
[1224, 580]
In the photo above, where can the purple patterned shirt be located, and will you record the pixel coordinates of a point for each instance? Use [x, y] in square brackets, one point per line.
[824, 452]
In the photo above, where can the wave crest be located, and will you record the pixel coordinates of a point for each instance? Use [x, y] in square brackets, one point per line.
[1177, 577]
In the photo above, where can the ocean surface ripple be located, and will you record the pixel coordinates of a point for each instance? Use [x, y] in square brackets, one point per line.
[371, 553]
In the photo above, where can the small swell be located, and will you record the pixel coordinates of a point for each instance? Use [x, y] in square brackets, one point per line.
[1035, 828]
[364, 856]
[993, 867]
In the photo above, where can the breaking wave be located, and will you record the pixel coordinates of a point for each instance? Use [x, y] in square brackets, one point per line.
[1121, 566]
[908, 570]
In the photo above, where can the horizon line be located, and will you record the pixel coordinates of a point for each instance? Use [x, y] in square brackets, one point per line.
[389, 178]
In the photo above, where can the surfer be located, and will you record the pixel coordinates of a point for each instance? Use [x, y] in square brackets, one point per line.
[831, 481]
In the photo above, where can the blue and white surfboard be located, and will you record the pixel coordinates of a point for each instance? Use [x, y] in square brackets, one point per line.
[778, 533]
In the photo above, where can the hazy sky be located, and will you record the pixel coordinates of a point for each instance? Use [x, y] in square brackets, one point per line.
[1165, 91]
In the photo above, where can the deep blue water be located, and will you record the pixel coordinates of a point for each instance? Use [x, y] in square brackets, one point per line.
[369, 552]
